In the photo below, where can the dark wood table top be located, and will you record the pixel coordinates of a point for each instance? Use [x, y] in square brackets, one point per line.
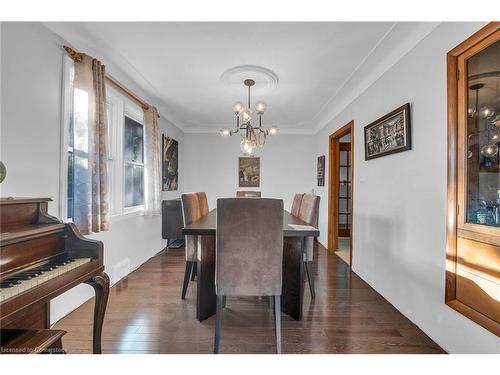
[207, 226]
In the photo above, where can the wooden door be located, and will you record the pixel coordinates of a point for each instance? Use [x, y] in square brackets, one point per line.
[334, 186]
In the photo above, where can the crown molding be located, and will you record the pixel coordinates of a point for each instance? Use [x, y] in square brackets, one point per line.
[116, 64]
[400, 39]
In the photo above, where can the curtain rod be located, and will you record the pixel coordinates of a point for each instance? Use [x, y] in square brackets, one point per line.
[77, 57]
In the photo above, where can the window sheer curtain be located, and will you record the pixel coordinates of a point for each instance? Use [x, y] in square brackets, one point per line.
[90, 131]
[153, 160]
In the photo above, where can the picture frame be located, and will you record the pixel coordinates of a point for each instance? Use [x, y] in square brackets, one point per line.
[389, 134]
[321, 170]
[169, 163]
[249, 172]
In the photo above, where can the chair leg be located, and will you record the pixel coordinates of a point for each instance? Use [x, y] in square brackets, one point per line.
[187, 273]
[277, 322]
[310, 278]
[218, 321]
[224, 302]
[194, 272]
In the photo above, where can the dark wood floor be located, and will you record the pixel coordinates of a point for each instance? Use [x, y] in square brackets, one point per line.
[146, 315]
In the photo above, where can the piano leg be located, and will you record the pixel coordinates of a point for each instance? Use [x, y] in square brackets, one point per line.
[100, 283]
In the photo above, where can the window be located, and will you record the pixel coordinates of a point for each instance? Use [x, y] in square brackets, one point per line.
[71, 169]
[473, 238]
[126, 154]
[133, 158]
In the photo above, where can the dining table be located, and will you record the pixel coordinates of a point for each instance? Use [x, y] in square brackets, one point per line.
[292, 295]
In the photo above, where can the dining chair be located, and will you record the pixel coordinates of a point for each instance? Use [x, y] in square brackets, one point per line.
[202, 198]
[249, 254]
[297, 200]
[309, 212]
[248, 194]
[190, 212]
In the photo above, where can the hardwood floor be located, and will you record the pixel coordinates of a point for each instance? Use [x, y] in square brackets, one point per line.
[146, 315]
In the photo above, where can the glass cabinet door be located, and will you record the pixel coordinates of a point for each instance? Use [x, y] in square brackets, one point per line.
[482, 185]
[473, 252]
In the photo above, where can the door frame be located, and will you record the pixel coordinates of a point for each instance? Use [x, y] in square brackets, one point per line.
[333, 187]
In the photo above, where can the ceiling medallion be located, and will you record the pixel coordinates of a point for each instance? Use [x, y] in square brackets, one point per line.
[265, 79]
[253, 136]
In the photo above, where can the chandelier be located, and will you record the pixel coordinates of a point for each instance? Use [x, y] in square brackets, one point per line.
[252, 136]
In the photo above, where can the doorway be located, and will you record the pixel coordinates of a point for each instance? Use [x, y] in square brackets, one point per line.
[340, 192]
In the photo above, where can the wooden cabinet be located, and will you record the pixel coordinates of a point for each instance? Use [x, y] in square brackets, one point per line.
[473, 238]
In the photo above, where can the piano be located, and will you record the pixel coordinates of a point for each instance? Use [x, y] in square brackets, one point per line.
[41, 258]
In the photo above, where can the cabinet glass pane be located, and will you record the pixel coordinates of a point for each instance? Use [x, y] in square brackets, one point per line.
[343, 221]
[343, 174]
[483, 135]
[343, 190]
[343, 205]
[344, 157]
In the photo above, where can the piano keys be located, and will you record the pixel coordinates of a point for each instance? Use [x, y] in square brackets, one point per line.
[14, 285]
[41, 258]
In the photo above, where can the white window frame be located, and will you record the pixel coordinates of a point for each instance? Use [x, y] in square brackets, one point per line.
[119, 106]
[115, 144]
[66, 113]
[136, 113]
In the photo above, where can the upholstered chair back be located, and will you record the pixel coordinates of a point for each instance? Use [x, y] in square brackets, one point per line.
[248, 194]
[309, 212]
[309, 209]
[297, 200]
[202, 199]
[249, 250]
[191, 212]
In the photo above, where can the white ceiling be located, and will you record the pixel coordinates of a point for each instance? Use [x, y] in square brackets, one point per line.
[181, 64]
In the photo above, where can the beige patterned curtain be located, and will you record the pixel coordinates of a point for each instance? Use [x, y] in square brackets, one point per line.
[91, 199]
[153, 160]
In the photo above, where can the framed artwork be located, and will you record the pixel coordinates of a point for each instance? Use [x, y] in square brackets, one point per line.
[321, 170]
[249, 172]
[170, 163]
[389, 134]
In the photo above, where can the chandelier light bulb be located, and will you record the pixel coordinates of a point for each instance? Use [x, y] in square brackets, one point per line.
[246, 116]
[273, 131]
[247, 147]
[494, 135]
[496, 121]
[471, 112]
[489, 150]
[238, 107]
[260, 107]
[486, 112]
[225, 132]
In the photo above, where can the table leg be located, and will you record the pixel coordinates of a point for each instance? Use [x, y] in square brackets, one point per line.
[206, 301]
[293, 278]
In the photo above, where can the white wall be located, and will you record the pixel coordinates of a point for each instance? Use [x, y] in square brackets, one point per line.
[31, 71]
[286, 164]
[400, 200]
